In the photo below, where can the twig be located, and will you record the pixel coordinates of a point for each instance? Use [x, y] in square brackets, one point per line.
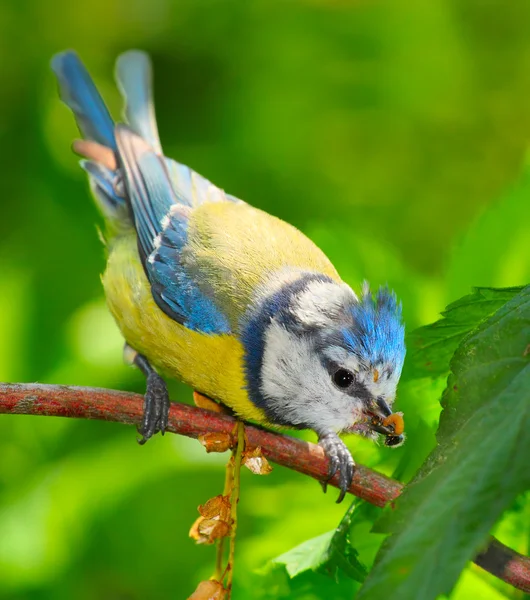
[237, 455]
[219, 554]
[304, 457]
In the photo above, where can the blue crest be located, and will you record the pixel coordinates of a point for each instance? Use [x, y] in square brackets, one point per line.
[377, 334]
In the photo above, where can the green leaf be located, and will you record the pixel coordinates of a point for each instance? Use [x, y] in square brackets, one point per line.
[307, 556]
[430, 348]
[478, 468]
[328, 553]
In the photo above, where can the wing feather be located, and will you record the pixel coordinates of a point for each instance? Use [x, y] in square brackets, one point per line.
[161, 224]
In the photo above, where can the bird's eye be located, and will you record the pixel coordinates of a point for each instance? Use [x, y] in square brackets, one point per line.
[343, 378]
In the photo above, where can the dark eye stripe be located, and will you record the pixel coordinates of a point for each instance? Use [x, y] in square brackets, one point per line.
[359, 390]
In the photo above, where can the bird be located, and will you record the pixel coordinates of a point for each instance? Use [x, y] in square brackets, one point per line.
[231, 300]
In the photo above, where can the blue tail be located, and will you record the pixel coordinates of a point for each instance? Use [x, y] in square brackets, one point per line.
[79, 93]
[133, 75]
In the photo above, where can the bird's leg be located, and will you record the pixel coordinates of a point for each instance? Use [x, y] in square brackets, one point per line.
[156, 398]
[340, 460]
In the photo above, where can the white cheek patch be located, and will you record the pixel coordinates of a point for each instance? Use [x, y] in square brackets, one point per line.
[285, 358]
[322, 302]
[298, 387]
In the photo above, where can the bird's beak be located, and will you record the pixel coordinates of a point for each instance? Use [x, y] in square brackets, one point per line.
[383, 407]
[391, 428]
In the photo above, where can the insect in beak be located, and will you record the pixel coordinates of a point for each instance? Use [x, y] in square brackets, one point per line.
[392, 427]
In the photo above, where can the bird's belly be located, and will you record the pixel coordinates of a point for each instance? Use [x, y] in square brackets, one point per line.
[211, 364]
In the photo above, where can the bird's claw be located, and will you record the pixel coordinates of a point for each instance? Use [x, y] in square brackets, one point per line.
[156, 407]
[340, 460]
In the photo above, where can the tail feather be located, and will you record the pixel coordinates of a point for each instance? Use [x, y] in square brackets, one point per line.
[79, 93]
[104, 184]
[135, 81]
[104, 163]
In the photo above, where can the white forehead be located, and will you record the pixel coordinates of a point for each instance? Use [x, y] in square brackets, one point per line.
[321, 302]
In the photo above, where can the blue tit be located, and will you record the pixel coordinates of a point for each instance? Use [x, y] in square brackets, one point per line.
[225, 297]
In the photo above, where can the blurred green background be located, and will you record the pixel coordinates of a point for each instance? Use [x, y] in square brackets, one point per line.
[391, 132]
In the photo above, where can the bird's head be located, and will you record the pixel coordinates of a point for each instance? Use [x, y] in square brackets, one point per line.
[319, 357]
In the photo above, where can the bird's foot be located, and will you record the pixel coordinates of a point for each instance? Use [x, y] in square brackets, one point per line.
[156, 398]
[156, 407]
[340, 459]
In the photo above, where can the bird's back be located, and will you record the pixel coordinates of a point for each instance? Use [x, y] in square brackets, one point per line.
[236, 251]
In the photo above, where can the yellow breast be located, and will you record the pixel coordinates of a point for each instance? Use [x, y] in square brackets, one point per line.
[211, 364]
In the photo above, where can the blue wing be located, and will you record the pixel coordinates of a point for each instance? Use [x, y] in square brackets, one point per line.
[161, 224]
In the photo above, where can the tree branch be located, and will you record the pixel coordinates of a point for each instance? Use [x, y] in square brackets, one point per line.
[304, 457]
